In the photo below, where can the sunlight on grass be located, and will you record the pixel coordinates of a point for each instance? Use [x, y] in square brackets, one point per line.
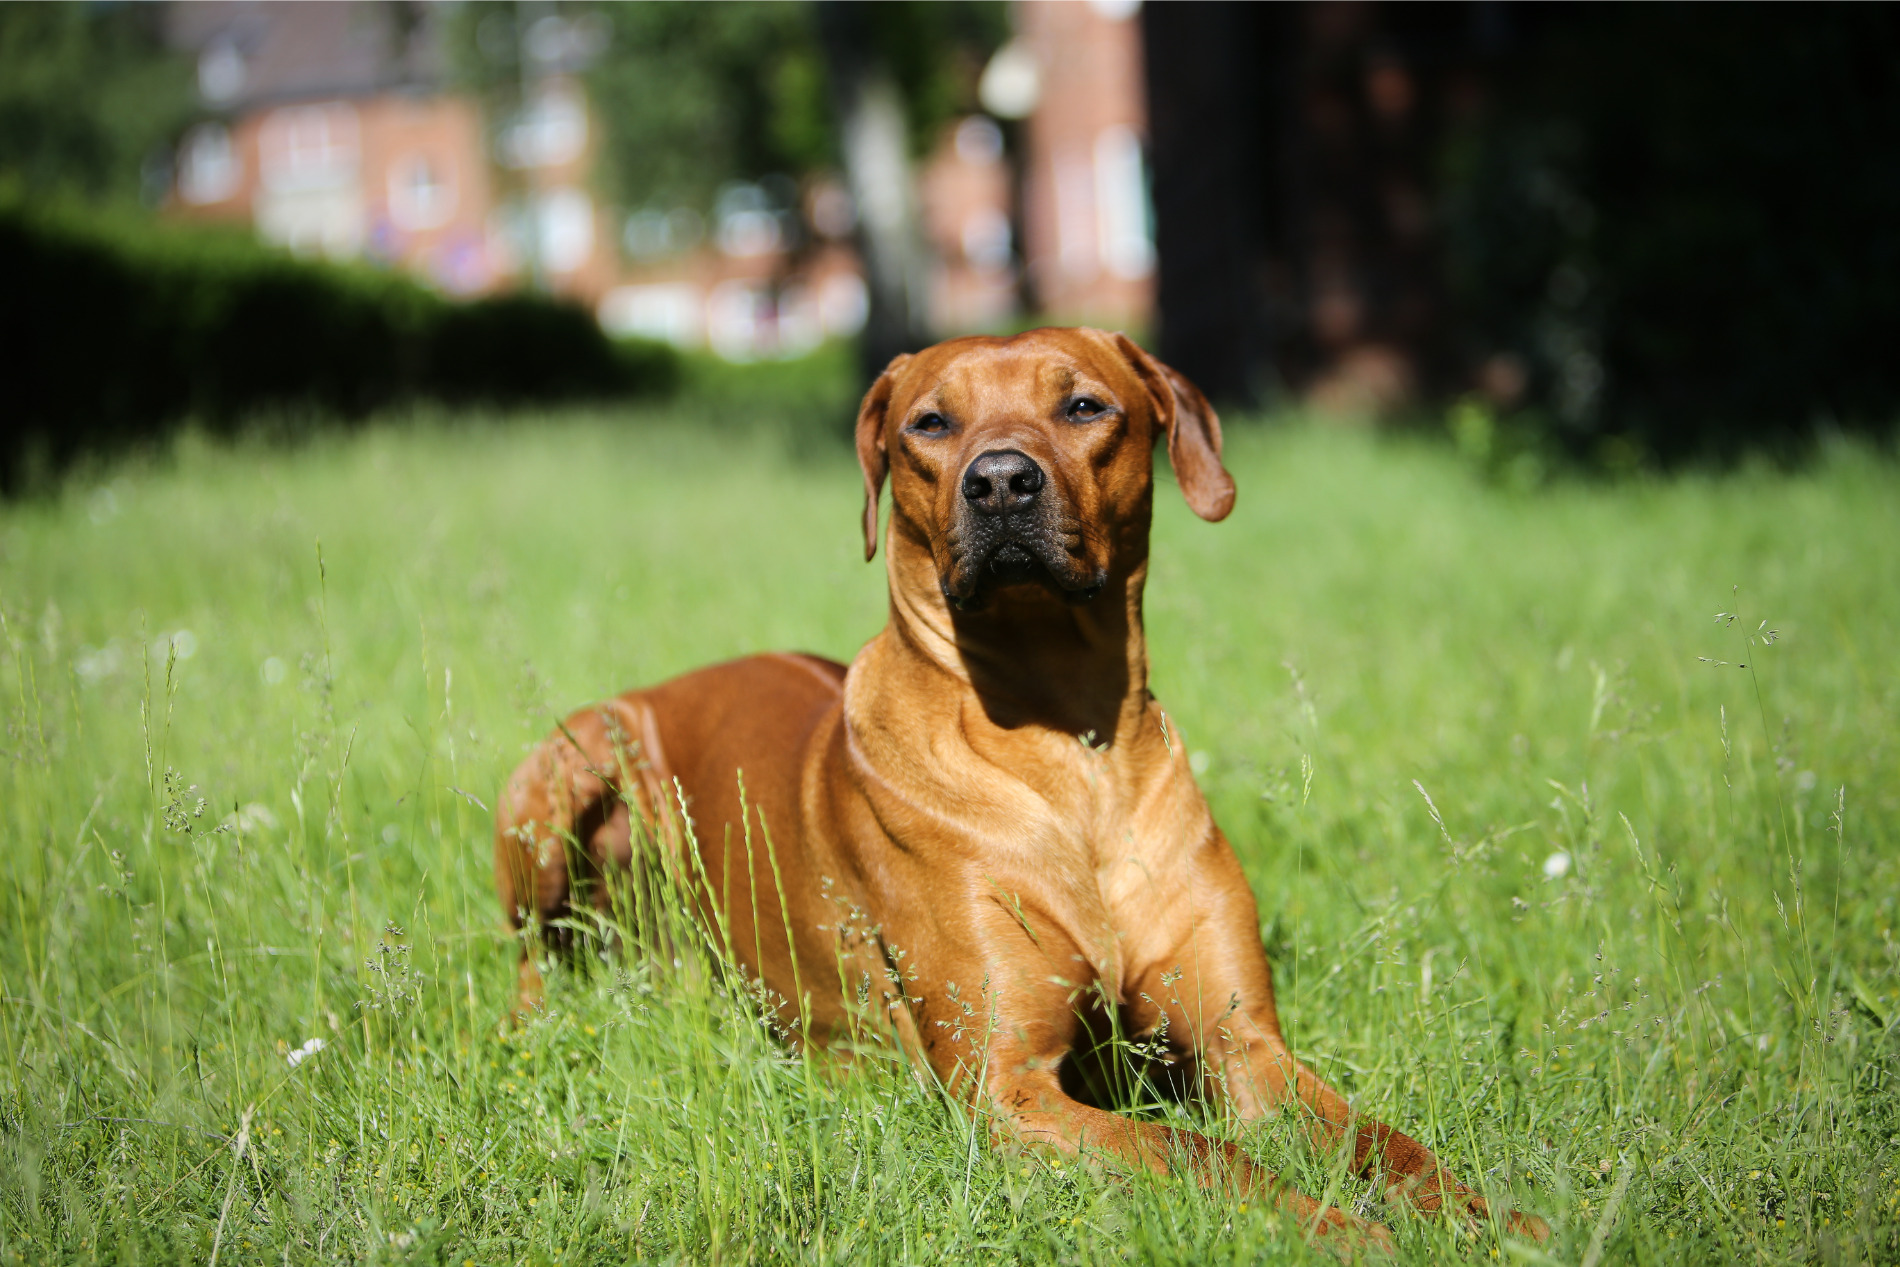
[1590, 889]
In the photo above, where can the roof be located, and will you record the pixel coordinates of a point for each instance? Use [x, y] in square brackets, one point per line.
[252, 53]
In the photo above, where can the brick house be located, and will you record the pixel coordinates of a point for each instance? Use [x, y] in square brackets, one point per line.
[333, 130]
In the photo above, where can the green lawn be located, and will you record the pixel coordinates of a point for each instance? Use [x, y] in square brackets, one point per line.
[1548, 880]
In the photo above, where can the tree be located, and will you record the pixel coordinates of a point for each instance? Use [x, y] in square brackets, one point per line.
[693, 96]
[1681, 221]
[888, 64]
[90, 99]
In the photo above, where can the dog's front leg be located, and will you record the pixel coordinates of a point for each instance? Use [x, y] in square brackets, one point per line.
[1030, 1109]
[1215, 987]
[999, 1046]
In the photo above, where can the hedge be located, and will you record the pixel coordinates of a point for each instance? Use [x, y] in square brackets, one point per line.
[116, 333]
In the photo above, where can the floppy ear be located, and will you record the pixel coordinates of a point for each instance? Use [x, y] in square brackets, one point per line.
[872, 459]
[1193, 430]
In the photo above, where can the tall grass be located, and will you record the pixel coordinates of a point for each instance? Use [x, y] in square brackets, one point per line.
[1550, 879]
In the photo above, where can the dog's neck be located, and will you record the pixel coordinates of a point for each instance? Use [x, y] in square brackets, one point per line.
[1030, 657]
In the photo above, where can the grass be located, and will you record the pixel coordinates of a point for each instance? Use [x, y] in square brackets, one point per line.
[1546, 882]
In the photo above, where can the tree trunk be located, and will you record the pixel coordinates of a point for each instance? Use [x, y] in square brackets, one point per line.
[874, 140]
[1202, 77]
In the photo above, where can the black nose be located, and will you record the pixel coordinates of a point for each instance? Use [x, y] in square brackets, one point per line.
[1002, 482]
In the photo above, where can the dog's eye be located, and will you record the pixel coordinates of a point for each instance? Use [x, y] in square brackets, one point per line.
[930, 424]
[1083, 408]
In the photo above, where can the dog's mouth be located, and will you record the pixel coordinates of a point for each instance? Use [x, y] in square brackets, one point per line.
[1012, 564]
[1018, 560]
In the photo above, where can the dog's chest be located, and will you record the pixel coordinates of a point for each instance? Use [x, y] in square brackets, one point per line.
[1100, 834]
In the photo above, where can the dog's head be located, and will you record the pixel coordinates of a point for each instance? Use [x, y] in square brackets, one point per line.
[1027, 463]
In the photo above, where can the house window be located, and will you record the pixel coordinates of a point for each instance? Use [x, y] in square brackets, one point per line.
[421, 193]
[208, 166]
[985, 238]
[550, 132]
[1121, 204]
[747, 223]
[674, 311]
[221, 72]
[309, 147]
[565, 220]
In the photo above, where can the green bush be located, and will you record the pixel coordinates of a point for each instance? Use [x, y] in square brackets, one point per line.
[119, 332]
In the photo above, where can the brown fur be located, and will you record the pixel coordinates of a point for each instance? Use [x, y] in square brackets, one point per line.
[990, 782]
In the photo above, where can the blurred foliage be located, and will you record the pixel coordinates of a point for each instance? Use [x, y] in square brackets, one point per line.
[690, 96]
[936, 53]
[805, 405]
[693, 95]
[117, 331]
[90, 99]
[1510, 452]
[1681, 225]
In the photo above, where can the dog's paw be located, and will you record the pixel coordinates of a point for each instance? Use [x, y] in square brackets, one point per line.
[1439, 1192]
[1517, 1223]
[1349, 1238]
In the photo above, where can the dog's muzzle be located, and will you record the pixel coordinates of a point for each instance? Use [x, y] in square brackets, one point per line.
[1010, 532]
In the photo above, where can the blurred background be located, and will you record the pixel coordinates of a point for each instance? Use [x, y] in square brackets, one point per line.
[1619, 237]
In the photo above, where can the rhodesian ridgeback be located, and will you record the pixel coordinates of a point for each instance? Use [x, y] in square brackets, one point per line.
[986, 824]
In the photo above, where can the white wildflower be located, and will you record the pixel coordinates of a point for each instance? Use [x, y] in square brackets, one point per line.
[305, 1052]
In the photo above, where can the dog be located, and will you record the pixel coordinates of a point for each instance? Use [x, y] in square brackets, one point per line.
[989, 789]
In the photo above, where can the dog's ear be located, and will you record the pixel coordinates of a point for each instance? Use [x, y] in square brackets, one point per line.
[1193, 430]
[872, 459]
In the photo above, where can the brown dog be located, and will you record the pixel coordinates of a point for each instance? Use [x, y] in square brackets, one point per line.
[989, 791]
